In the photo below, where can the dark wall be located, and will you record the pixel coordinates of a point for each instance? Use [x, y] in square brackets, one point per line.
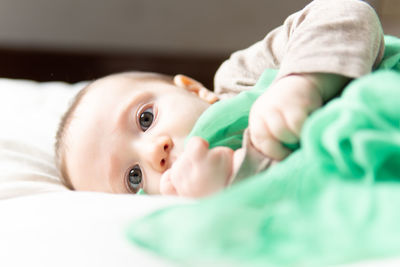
[73, 66]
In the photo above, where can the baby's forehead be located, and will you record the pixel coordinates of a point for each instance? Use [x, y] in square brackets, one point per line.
[118, 83]
[110, 83]
[112, 90]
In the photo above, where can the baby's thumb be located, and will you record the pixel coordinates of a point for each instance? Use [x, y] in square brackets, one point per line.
[166, 186]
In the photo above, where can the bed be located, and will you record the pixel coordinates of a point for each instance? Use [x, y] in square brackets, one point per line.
[45, 224]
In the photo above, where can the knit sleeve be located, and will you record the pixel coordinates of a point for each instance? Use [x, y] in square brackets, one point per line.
[342, 37]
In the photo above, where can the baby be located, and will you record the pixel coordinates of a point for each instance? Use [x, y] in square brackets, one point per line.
[126, 132]
[123, 131]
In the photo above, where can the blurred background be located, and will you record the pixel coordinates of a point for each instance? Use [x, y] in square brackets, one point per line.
[74, 40]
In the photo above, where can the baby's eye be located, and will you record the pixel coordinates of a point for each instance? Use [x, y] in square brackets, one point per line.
[146, 119]
[134, 179]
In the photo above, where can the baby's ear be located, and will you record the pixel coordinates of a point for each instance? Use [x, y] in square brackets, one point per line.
[195, 87]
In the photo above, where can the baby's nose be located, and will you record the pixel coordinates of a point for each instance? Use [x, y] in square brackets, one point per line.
[159, 153]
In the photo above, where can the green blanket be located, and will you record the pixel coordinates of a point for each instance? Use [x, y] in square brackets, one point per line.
[335, 200]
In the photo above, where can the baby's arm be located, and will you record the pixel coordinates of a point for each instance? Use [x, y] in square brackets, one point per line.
[343, 37]
[199, 171]
[277, 116]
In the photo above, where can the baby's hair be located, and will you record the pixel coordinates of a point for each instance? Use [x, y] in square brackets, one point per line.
[60, 137]
[60, 144]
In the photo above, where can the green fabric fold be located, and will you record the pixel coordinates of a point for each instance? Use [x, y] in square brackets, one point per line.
[224, 122]
[335, 200]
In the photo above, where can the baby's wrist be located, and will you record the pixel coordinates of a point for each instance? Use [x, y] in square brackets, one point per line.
[327, 84]
[301, 85]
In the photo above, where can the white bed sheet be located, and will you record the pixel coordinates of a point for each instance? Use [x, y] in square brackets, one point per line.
[42, 223]
[73, 229]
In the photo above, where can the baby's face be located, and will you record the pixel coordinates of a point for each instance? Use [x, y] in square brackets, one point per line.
[126, 133]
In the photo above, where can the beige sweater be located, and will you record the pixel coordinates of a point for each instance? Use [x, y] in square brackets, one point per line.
[330, 36]
[341, 37]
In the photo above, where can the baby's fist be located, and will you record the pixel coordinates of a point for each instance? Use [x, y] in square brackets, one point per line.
[278, 115]
[199, 171]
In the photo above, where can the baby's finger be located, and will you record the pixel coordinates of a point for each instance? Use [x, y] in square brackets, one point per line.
[166, 186]
[221, 160]
[295, 118]
[273, 149]
[277, 124]
[263, 141]
[196, 147]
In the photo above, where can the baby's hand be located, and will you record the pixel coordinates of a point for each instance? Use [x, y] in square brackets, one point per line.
[278, 115]
[199, 171]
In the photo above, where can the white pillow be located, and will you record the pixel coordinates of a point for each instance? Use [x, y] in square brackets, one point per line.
[29, 115]
[43, 223]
